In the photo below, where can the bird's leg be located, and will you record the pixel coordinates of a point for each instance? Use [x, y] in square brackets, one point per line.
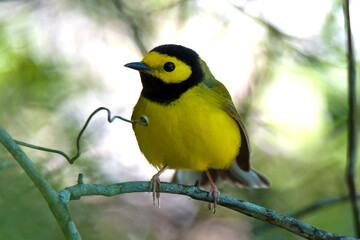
[155, 182]
[213, 191]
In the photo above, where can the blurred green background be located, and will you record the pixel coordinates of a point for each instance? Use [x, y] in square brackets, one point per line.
[284, 64]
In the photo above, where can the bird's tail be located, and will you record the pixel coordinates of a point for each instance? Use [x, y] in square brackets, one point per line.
[250, 179]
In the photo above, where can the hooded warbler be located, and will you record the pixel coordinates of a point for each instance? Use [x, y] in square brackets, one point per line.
[193, 123]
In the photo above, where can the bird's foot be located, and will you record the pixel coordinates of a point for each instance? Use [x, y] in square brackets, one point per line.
[155, 182]
[216, 195]
[156, 188]
[213, 191]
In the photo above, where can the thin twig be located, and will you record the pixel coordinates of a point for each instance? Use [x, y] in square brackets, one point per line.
[264, 23]
[143, 121]
[291, 224]
[134, 27]
[289, 42]
[352, 132]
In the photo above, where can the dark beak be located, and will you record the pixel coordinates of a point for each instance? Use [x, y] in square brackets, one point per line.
[139, 66]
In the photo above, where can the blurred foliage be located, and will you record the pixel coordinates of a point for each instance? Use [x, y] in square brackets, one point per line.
[35, 85]
[39, 84]
[139, 17]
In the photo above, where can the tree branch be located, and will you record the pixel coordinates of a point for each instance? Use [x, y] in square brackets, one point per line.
[352, 132]
[58, 202]
[309, 209]
[56, 205]
[291, 224]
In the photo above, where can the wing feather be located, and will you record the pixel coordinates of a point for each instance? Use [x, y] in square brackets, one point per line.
[243, 158]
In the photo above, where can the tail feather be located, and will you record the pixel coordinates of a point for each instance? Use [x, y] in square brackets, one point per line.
[250, 179]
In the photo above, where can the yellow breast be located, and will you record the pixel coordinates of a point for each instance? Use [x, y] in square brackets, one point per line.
[194, 132]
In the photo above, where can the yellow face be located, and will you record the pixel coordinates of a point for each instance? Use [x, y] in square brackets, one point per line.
[166, 68]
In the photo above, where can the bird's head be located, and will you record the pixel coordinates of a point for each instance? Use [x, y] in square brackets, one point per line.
[167, 71]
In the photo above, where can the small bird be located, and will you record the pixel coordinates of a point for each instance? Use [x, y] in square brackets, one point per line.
[192, 121]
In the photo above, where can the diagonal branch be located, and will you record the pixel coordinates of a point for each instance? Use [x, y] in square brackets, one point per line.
[291, 224]
[56, 205]
[352, 132]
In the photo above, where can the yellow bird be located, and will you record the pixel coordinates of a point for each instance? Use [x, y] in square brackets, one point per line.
[193, 123]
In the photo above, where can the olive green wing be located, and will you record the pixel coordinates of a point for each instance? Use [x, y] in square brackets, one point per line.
[243, 158]
[239, 171]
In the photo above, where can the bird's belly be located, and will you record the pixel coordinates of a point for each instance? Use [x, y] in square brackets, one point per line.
[192, 135]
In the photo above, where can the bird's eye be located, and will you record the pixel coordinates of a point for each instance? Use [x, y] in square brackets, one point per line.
[169, 66]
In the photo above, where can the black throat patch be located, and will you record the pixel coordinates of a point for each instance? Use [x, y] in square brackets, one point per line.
[156, 90]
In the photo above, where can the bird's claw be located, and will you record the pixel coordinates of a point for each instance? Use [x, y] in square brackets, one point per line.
[155, 183]
[216, 195]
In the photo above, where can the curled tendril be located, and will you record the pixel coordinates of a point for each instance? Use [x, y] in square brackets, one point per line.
[142, 121]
